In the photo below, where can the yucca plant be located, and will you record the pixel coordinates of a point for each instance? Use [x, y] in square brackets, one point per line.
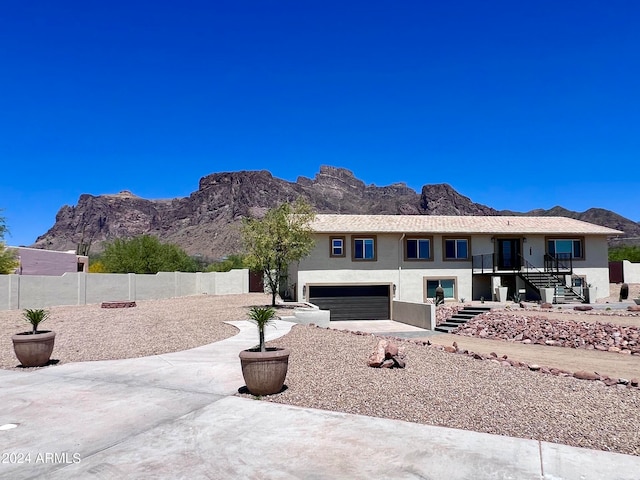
[262, 316]
[35, 317]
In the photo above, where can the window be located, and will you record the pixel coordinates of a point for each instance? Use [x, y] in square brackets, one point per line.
[364, 248]
[565, 247]
[337, 247]
[456, 248]
[448, 285]
[417, 249]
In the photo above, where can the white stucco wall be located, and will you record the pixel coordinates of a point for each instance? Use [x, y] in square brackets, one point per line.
[631, 271]
[390, 267]
[40, 291]
[409, 276]
[36, 261]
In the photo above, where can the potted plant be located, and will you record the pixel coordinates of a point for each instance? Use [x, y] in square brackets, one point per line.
[501, 293]
[547, 293]
[590, 293]
[34, 348]
[264, 369]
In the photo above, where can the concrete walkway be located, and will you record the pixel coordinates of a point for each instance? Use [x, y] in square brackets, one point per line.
[174, 416]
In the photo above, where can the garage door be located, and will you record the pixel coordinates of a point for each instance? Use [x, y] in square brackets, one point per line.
[352, 302]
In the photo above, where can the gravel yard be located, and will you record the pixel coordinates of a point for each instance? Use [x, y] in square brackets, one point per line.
[328, 370]
[88, 332]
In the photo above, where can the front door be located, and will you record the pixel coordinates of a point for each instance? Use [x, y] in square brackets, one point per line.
[508, 254]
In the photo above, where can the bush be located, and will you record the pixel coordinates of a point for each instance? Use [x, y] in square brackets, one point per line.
[145, 254]
[227, 264]
[625, 252]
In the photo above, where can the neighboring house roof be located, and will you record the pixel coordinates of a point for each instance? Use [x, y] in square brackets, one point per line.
[329, 223]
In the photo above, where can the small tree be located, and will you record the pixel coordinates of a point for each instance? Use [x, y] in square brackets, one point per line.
[262, 316]
[283, 236]
[8, 260]
[145, 254]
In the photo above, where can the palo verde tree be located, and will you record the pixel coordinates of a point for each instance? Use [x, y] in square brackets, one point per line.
[145, 254]
[8, 261]
[281, 237]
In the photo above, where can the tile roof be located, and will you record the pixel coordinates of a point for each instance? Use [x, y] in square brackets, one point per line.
[329, 223]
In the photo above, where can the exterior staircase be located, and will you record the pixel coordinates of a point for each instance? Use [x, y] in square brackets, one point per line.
[460, 318]
[539, 280]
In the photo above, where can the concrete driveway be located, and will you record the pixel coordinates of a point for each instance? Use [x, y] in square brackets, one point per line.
[175, 416]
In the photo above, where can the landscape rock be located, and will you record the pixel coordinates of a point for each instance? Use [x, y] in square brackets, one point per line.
[387, 354]
[379, 354]
[582, 375]
[510, 326]
[391, 350]
[583, 308]
[388, 363]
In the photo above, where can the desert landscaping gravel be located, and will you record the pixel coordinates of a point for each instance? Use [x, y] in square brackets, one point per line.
[328, 370]
[89, 332]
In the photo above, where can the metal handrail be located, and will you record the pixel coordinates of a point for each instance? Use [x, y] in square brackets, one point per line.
[558, 262]
[483, 263]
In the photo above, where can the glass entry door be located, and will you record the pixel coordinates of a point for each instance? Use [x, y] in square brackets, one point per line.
[508, 254]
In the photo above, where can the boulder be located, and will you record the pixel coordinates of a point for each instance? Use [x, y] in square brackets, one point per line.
[391, 350]
[378, 355]
[582, 375]
[583, 308]
[399, 362]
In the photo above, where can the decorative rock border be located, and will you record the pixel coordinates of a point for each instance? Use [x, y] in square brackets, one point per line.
[505, 361]
[120, 304]
[502, 325]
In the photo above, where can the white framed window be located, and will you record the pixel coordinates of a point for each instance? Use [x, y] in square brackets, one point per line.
[337, 247]
[364, 248]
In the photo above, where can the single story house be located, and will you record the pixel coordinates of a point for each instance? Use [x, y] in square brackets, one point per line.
[36, 261]
[361, 263]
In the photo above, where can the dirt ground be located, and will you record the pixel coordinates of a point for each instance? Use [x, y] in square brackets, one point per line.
[614, 365]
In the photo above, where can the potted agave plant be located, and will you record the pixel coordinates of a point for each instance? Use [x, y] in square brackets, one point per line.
[33, 348]
[264, 369]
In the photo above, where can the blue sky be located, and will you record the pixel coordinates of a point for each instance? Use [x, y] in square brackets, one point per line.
[517, 105]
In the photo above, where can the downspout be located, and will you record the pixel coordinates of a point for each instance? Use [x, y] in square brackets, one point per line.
[400, 248]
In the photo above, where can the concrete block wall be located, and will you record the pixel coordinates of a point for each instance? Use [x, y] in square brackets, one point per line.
[422, 315]
[40, 291]
[631, 271]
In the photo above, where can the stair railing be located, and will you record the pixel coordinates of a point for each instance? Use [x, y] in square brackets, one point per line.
[560, 263]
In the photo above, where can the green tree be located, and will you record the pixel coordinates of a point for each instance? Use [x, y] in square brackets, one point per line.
[8, 260]
[227, 264]
[283, 236]
[145, 254]
[625, 252]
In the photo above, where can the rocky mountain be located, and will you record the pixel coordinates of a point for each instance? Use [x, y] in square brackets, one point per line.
[206, 223]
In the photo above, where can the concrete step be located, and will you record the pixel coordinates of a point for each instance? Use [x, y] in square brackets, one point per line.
[460, 318]
[446, 327]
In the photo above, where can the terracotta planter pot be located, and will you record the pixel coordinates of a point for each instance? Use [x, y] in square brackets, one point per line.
[33, 350]
[264, 372]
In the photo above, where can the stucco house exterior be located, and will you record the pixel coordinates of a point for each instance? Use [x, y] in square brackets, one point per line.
[36, 261]
[361, 263]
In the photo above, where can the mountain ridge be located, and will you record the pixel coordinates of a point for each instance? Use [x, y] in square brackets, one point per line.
[206, 223]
